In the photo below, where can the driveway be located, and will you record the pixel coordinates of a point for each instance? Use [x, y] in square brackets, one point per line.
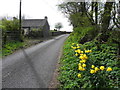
[32, 67]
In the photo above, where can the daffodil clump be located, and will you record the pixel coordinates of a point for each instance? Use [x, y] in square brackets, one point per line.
[83, 58]
[101, 68]
[86, 66]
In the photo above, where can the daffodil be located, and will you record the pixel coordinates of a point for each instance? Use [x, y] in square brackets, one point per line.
[74, 47]
[109, 69]
[76, 54]
[93, 66]
[82, 61]
[84, 65]
[79, 64]
[88, 51]
[83, 57]
[83, 69]
[79, 51]
[79, 75]
[102, 67]
[96, 69]
[81, 54]
[92, 71]
[76, 50]
[80, 68]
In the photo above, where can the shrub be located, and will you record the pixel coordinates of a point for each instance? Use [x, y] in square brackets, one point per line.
[10, 24]
[81, 32]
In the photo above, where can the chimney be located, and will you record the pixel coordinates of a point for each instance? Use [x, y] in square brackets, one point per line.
[46, 17]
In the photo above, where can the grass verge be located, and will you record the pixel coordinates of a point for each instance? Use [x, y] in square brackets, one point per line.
[11, 47]
[71, 76]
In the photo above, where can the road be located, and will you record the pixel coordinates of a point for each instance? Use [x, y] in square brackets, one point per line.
[32, 67]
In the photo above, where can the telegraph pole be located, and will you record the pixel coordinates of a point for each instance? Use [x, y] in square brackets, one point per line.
[20, 17]
[20, 31]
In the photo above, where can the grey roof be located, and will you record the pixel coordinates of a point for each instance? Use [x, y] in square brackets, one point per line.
[33, 22]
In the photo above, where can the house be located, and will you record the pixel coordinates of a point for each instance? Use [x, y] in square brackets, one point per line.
[29, 24]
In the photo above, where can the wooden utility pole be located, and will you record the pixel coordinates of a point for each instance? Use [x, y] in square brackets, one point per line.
[20, 25]
[20, 17]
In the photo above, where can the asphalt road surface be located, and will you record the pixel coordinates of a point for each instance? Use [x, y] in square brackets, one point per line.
[32, 67]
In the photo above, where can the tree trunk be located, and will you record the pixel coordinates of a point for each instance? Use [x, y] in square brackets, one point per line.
[96, 12]
[92, 9]
[83, 8]
[106, 17]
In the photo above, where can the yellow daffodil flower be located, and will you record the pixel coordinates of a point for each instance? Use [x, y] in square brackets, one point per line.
[79, 75]
[78, 46]
[102, 67]
[84, 65]
[88, 51]
[109, 69]
[82, 61]
[81, 54]
[83, 69]
[74, 47]
[93, 66]
[78, 50]
[92, 71]
[83, 57]
[79, 64]
[96, 69]
[76, 54]
[80, 68]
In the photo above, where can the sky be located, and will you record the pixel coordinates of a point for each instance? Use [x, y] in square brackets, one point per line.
[36, 9]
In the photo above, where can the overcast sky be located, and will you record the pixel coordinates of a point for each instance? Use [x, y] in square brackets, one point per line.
[36, 9]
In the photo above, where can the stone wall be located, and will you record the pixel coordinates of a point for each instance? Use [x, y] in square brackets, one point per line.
[56, 33]
[35, 34]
